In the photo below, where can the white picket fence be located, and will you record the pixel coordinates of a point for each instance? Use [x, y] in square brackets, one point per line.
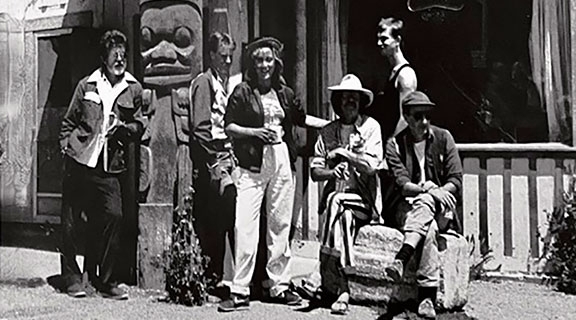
[508, 192]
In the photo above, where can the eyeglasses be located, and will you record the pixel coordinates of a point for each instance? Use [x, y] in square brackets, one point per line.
[420, 115]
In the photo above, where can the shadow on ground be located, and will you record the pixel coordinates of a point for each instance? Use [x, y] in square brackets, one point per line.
[396, 311]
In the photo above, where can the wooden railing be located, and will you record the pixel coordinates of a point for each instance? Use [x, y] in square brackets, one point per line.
[508, 192]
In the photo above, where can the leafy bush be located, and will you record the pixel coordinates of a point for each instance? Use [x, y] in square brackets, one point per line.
[562, 256]
[185, 273]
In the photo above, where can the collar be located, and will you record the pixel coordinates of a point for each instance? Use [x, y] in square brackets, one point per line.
[359, 121]
[216, 75]
[429, 136]
[217, 79]
[98, 75]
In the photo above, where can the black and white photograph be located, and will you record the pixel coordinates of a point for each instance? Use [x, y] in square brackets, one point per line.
[298, 159]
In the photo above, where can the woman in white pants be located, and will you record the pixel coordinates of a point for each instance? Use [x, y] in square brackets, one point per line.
[259, 117]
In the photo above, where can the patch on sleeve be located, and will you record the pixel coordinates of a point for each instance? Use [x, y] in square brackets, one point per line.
[92, 96]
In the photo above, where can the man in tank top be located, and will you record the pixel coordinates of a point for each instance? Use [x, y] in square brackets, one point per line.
[387, 108]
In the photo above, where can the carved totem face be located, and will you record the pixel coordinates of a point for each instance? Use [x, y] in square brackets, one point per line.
[170, 43]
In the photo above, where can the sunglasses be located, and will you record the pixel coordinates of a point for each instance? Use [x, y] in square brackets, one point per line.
[420, 115]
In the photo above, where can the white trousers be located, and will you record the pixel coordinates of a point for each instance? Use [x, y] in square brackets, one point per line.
[275, 182]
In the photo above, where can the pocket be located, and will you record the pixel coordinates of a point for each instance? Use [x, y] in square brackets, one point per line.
[125, 104]
[125, 109]
[92, 96]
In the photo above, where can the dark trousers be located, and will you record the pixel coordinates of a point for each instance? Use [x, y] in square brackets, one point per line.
[214, 215]
[98, 195]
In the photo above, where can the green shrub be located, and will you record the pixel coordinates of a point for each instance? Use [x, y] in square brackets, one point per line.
[562, 255]
[185, 272]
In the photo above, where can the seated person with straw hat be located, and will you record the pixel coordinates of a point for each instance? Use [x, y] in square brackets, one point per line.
[347, 155]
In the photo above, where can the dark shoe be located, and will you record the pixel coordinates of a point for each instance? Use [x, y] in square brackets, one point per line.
[287, 297]
[235, 303]
[220, 291]
[76, 290]
[395, 271]
[114, 293]
[307, 291]
[426, 309]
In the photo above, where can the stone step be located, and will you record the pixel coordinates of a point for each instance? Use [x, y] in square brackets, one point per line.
[375, 248]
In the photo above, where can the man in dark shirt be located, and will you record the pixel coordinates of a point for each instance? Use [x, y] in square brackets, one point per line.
[211, 150]
[427, 175]
[104, 115]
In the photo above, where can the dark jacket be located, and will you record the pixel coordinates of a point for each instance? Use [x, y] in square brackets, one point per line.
[245, 109]
[443, 163]
[203, 147]
[83, 121]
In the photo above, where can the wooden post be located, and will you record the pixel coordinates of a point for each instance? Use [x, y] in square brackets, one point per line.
[166, 137]
[300, 87]
[573, 66]
[254, 25]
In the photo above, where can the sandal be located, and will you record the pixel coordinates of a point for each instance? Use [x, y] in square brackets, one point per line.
[339, 307]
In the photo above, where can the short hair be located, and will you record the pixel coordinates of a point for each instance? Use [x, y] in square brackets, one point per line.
[111, 39]
[396, 26]
[218, 39]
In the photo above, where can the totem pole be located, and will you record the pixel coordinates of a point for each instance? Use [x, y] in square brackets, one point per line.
[171, 56]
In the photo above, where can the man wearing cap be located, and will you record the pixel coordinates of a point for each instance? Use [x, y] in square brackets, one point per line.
[428, 179]
[347, 154]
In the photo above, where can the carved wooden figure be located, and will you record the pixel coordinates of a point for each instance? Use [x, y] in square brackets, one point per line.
[171, 53]
[171, 56]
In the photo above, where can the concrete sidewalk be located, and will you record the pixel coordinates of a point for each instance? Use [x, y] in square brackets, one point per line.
[24, 263]
[24, 294]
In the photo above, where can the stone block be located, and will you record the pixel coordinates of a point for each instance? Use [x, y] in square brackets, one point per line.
[155, 224]
[454, 271]
[375, 248]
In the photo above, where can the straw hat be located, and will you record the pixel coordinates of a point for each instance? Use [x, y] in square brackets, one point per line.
[351, 82]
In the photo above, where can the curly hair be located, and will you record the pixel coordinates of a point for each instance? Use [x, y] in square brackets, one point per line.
[278, 68]
[111, 39]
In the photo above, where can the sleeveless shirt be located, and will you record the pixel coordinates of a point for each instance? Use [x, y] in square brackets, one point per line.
[386, 106]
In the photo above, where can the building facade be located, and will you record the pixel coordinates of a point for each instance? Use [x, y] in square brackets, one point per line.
[501, 71]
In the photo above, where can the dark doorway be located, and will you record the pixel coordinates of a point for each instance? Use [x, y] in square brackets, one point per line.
[455, 55]
[64, 57]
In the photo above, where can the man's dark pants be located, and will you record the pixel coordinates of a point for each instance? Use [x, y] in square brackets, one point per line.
[98, 195]
[214, 215]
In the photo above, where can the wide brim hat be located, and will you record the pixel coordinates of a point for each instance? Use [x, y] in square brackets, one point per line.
[417, 99]
[351, 82]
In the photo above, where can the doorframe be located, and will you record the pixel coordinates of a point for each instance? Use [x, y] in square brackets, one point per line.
[36, 217]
